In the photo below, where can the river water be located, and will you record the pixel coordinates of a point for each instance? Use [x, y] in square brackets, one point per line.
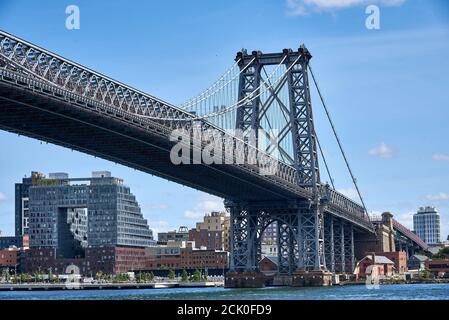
[357, 292]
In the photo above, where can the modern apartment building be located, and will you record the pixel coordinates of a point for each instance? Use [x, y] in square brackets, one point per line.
[426, 224]
[70, 215]
[22, 203]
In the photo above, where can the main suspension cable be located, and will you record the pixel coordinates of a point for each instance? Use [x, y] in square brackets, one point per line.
[354, 180]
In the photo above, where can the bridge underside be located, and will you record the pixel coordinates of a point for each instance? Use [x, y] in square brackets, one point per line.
[63, 123]
[312, 245]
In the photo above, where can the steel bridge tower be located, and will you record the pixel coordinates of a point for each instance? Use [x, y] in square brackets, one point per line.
[301, 222]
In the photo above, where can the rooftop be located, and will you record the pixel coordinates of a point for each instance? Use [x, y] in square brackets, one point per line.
[380, 259]
[421, 257]
[427, 209]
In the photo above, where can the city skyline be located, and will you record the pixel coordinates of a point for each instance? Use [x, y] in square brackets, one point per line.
[399, 159]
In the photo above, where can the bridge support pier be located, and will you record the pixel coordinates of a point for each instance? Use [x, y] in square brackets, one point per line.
[301, 243]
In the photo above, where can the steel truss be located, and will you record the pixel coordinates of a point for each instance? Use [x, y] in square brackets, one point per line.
[329, 242]
[300, 236]
[349, 248]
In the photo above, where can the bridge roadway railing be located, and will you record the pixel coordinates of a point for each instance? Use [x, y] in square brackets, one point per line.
[340, 204]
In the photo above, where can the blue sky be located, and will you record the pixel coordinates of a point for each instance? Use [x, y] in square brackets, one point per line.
[387, 89]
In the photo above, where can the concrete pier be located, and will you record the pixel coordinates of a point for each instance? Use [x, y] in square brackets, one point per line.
[303, 278]
[244, 280]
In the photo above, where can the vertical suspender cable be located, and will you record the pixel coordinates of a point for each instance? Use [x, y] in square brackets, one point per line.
[325, 162]
[354, 180]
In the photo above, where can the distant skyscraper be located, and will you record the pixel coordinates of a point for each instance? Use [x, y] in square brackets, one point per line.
[426, 223]
[70, 215]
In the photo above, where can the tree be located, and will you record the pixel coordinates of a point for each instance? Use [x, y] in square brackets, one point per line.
[197, 275]
[184, 276]
[206, 274]
[425, 274]
[122, 277]
[99, 275]
[442, 254]
[171, 274]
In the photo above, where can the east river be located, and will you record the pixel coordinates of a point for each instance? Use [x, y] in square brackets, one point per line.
[357, 292]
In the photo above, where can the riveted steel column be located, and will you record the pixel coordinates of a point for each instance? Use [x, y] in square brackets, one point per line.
[329, 242]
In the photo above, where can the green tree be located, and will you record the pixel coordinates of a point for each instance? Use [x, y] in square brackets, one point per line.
[197, 275]
[122, 277]
[425, 274]
[184, 276]
[442, 254]
[171, 274]
[99, 275]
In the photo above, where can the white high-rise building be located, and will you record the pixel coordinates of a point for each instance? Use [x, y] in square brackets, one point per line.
[426, 223]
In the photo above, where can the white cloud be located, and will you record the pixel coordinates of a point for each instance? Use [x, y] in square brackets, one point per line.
[406, 219]
[350, 193]
[440, 157]
[158, 206]
[206, 204]
[2, 196]
[383, 150]
[159, 226]
[438, 197]
[304, 7]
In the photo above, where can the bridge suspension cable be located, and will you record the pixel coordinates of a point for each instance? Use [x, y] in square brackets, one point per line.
[252, 97]
[354, 180]
[207, 94]
[265, 82]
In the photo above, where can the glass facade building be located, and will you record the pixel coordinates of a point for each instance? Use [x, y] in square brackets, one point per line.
[72, 214]
[426, 223]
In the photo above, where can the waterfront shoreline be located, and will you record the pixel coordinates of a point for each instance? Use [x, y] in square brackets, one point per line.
[170, 285]
[348, 292]
[106, 286]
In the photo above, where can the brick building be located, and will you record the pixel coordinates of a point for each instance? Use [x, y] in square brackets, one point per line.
[212, 240]
[269, 265]
[184, 255]
[213, 232]
[9, 258]
[399, 259]
[108, 260]
[438, 266]
[382, 266]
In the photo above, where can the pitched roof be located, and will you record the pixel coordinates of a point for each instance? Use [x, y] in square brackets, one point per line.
[273, 259]
[380, 259]
[420, 257]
